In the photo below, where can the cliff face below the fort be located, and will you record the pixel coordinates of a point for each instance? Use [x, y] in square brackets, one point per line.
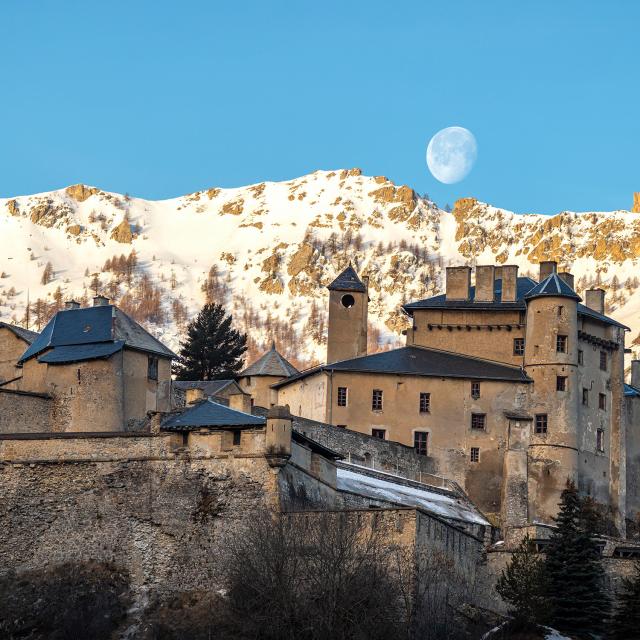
[268, 250]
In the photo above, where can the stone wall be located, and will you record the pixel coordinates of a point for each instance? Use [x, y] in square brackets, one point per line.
[22, 412]
[11, 348]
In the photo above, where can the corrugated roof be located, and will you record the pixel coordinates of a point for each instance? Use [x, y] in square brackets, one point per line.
[20, 332]
[93, 325]
[210, 414]
[420, 361]
[270, 364]
[554, 286]
[79, 352]
[348, 281]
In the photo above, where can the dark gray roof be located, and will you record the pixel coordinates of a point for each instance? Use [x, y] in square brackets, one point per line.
[209, 387]
[270, 364]
[210, 414]
[420, 361]
[23, 334]
[631, 392]
[93, 326]
[347, 281]
[554, 286]
[79, 352]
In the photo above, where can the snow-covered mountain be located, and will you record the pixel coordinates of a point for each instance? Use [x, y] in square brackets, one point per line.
[268, 250]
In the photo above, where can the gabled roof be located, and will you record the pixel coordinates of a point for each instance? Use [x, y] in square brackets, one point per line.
[270, 364]
[209, 387]
[23, 334]
[348, 281]
[92, 326]
[210, 414]
[554, 286]
[420, 361]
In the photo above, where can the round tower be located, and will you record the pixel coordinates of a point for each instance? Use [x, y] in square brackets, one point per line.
[551, 360]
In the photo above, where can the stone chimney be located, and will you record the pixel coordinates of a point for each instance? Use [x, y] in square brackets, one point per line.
[635, 374]
[485, 281]
[636, 202]
[71, 304]
[278, 438]
[594, 299]
[458, 283]
[240, 402]
[100, 301]
[192, 396]
[509, 273]
[547, 267]
[567, 278]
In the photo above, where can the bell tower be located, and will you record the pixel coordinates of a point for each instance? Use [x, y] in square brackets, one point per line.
[348, 307]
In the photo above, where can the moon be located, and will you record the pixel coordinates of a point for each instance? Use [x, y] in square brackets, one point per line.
[451, 154]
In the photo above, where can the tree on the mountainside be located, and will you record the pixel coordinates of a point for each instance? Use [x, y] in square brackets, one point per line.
[625, 622]
[213, 349]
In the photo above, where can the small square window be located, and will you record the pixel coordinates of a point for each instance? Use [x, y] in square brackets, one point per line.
[475, 454]
[561, 344]
[376, 400]
[152, 368]
[602, 401]
[580, 356]
[342, 426]
[561, 383]
[518, 346]
[603, 360]
[585, 396]
[420, 442]
[475, 390]
[541, 423]
[425, 402]
[237, 436]
[379, 433]
[342, 396]
[600, 439]
[479, 421]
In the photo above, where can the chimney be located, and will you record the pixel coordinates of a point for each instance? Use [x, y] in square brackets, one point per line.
[71, 304]
[567, 278]
[240, 402]
[365, 282]
[278, 438]
[547, 267]
[635, 374]
[458, 283]
[100, 301]
[485, 281]
[192, 396]
[594, 299]
[509, 274]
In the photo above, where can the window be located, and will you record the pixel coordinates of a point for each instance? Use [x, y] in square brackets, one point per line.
[561, 383]
[348, 301]
[152, 368]
[561, 344]
[425, 402]
[478, 421]
[475, 390]
[541, 423]
[342, 426]
[342, 396]
[585, 396]
[475, 454]
[237, 435]
[602, 401]
[600, 439]
[603, 360]
[580, 356]
[379, 433]
[420, 441]
[560, 311]
[376, 400]
[518, 346]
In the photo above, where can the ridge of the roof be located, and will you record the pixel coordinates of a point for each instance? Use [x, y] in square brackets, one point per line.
[552, 285]
[25, 334]
[208, 413]
[348, 280]
[271, 363]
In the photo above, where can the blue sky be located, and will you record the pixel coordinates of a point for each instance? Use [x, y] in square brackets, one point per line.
[159, 98]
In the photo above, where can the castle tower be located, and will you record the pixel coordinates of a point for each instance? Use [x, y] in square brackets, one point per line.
[551, 360]
[348, 308]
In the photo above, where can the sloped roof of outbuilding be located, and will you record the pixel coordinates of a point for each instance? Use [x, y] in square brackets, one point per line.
[22, 333]
[552, 285]
[208, 413]
[348, 281]
[631, 392]
[271, 363]
[209, 387]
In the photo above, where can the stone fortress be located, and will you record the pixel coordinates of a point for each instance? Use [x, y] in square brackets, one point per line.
[462, 439]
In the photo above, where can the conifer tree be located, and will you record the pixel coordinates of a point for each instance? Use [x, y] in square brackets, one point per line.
[626, 619]
[522, 586]
[574, 574]
[212, 349]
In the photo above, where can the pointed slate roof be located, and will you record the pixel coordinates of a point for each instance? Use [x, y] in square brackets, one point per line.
[553, 285]
[210, 414]
[348, 281]
[270, 364]
[23, 334]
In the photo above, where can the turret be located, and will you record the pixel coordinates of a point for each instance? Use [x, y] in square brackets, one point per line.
[348, 309]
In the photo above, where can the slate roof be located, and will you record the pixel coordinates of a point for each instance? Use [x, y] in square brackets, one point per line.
[631, 392]
[23, 334]
[84, 332]
[209, 387]
[78, 353]
[348, 281]
[420, 361]
[552, 285]
[210, 414]
[270, 364]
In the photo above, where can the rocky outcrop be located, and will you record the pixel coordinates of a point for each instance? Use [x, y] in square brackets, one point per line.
[80, 192]
[636, 202]
[12, 206]
[122, 233]
[46, 214]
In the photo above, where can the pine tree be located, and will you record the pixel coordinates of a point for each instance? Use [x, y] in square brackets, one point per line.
[626, 619]
[212, 349]
[522, 586]
[574, 574]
